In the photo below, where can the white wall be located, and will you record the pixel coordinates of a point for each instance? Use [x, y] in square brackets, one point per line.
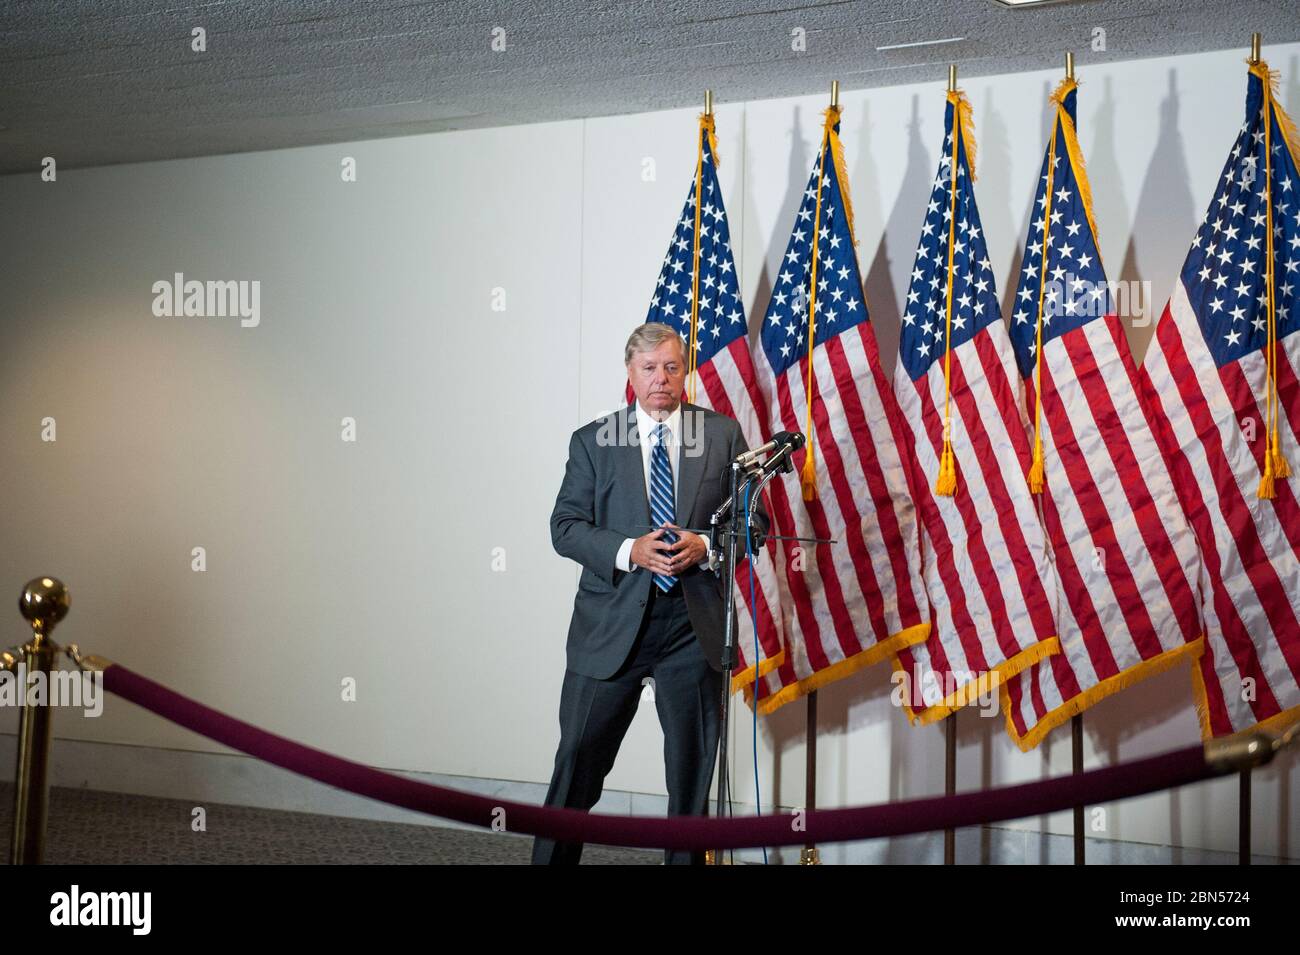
[373, 560]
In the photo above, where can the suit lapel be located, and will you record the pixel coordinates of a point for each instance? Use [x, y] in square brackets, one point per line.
[690, 468]
[631, 470]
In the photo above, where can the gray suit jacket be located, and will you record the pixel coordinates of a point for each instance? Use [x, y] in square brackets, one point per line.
[602, 501]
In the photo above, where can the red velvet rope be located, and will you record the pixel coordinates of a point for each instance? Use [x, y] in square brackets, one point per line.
[1165, 771]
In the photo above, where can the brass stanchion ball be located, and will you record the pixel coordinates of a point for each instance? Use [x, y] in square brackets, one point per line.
[44, 602]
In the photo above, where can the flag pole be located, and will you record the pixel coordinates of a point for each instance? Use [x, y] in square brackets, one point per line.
[950, 722]
[1243, 813]
[808, 471]
[1076, 721]
[711, 856]
[810, 855]
[1076, 746]
[945, 482]
[692, 336]
[1243, 790]
[950, 782]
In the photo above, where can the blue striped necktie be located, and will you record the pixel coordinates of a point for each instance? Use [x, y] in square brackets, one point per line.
[662, 509]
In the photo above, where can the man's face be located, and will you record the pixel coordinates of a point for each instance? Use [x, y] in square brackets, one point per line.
[658, 376]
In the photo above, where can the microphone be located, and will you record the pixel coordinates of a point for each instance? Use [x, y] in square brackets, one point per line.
[781, 441]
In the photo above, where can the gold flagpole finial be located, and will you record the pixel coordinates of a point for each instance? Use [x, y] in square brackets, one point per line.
[1069, 66]
[835, 94]
[708, 102]
[1255, 43]
[952, 77]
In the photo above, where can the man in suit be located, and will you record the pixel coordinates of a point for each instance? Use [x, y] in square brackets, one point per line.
[649, 603]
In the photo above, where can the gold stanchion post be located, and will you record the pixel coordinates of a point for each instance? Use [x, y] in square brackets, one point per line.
[44, 602]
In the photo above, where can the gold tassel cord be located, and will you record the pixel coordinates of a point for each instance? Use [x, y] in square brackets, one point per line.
[1291, 140]
[830, 141]
[1267, 481]
[1275, 465]
[706, 130]
[945, 484]
[1037, 468]
[1272, 453]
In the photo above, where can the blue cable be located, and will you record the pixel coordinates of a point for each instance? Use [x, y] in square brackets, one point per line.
[753, 615]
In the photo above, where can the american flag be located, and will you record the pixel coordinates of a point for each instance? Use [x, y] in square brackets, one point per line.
[857, 601]
[1126, 559]
[724, 379]
[987, 570]
[1208, 378]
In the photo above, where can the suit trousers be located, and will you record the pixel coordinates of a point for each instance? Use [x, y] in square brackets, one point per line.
[595, 715]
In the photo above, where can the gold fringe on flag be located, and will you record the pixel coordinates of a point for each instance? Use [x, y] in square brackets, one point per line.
[1064, 89]
[1272, 79]
[1107, 687]
[966, 122]
[709, 128]
[837, 157]
[886, 649]
[746, 677]
[993, 680]
[1272, 724]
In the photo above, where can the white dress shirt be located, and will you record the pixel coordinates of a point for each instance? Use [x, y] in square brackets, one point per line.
[645, 429]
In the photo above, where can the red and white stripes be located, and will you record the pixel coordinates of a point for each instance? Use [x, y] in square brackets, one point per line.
[729, 386]
[985, 561]
[1212, 430]
[1125, 558]
[859, 600]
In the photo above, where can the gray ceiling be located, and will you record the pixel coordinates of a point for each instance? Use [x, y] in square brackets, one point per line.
[113, 81]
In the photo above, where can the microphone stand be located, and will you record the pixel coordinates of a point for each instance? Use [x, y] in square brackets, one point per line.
[731, 530]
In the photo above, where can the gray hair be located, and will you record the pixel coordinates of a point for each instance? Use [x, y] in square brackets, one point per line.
[648, 337]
